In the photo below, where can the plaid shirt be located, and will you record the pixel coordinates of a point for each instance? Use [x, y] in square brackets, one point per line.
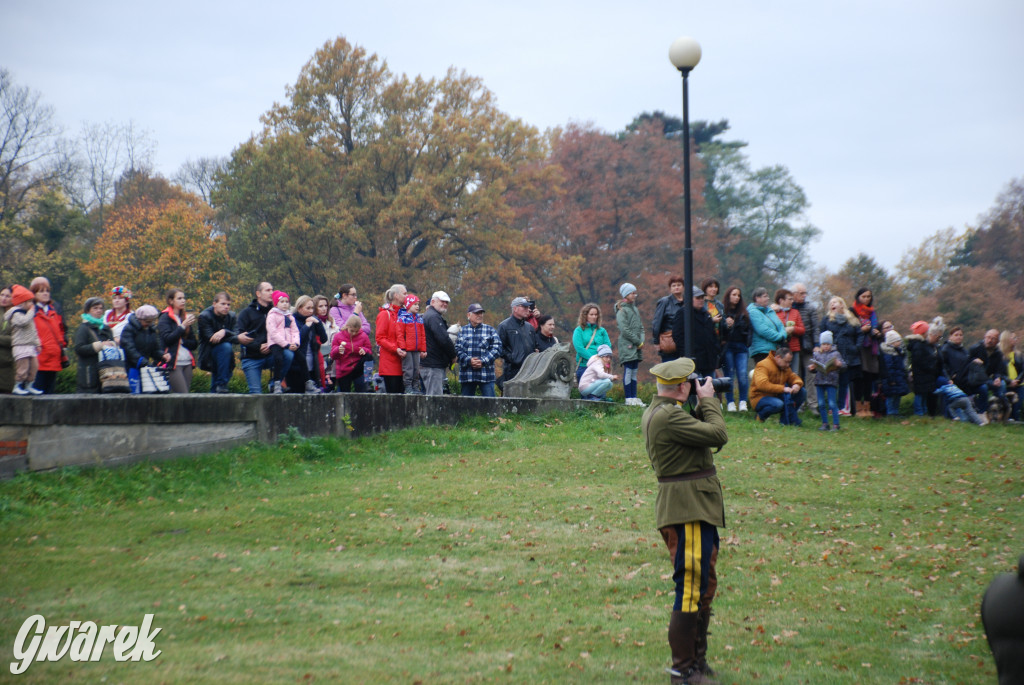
[483, 343]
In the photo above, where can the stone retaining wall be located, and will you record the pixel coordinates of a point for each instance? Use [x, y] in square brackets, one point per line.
[41, 433]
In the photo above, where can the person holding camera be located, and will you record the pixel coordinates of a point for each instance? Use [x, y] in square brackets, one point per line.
[517, 341]
[776, 389]
[689, 506]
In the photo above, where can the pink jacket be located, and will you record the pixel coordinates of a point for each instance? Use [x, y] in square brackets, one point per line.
[344, 363]
[595, 371]
[279, 333]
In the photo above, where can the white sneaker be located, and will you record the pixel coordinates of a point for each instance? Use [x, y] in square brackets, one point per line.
[32, 390]
[312, 388]
[19, 390]
[276, 388]
[743, 405]
[732, 406]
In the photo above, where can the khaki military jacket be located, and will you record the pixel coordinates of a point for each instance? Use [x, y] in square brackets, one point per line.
[679, 444]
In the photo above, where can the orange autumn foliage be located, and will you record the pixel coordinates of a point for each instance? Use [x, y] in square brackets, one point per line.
[153, 247]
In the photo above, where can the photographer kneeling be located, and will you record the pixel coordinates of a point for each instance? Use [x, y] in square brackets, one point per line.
[776, 389]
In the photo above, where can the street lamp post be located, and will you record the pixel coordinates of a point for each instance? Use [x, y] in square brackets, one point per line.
[684, 53]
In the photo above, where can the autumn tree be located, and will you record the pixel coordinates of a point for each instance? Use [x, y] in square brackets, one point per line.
[977, 298]
[619, 209]
[50, 238]
[374, 178]
[922, 269]
[759, 213]
[155, 246]
[998, 241]
[862, 271]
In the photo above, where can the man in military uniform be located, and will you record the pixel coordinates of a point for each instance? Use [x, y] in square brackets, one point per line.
[689, 507]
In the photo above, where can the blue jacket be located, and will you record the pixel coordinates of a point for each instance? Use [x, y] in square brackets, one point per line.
[895, 383]
[769, 330]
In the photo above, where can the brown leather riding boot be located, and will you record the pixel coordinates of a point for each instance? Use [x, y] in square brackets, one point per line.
[701, 647]
[682, 639]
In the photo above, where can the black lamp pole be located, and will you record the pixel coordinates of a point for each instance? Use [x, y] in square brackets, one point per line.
[687, 238]
[684, 53]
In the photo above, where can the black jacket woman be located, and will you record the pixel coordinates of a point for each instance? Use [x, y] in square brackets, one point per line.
[90, 338]
[956, 359]
[177, 329]
[925, 367]
[140, 339]
[304, 375]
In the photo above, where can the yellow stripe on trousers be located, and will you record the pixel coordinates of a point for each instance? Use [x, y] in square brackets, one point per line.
[692, 564]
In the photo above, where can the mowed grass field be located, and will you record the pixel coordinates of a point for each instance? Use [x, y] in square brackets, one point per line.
[523, 550]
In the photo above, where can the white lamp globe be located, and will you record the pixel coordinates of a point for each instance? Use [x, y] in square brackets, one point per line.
[684, 53]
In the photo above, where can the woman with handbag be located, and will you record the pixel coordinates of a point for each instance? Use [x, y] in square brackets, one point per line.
[140, 340]
[178, 336]
[588, 336]
[92, 336]
[664, 314]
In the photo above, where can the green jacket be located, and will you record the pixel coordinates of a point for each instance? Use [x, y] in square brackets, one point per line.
[679, 444]
[631, 331]
[588, 334]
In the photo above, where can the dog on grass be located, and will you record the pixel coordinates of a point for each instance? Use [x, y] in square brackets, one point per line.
[1000, 409]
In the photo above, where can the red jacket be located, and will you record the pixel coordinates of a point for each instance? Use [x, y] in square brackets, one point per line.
[411, 333]
[386, 337]
[796, 333]
[53, 337]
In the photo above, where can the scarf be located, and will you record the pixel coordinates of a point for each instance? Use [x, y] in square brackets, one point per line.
[863, 311]
[99, 323]
[113, 317]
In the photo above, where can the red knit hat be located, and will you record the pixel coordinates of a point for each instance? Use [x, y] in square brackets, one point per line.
[919, 328]
[278, 294]
[20, 294]
[410, 300]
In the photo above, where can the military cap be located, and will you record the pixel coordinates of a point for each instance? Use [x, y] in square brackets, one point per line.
[675, 371]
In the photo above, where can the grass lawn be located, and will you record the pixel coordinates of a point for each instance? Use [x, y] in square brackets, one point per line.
[523, 550]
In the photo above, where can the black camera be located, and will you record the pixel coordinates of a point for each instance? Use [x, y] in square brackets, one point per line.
[531, 304]
[723, 384]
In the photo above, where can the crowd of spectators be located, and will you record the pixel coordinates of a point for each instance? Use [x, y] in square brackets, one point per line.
[782, 354]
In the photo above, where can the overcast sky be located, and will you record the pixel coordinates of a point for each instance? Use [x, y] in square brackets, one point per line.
[898, 118]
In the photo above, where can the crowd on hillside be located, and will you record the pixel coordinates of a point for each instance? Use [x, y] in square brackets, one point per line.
[775, 349]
